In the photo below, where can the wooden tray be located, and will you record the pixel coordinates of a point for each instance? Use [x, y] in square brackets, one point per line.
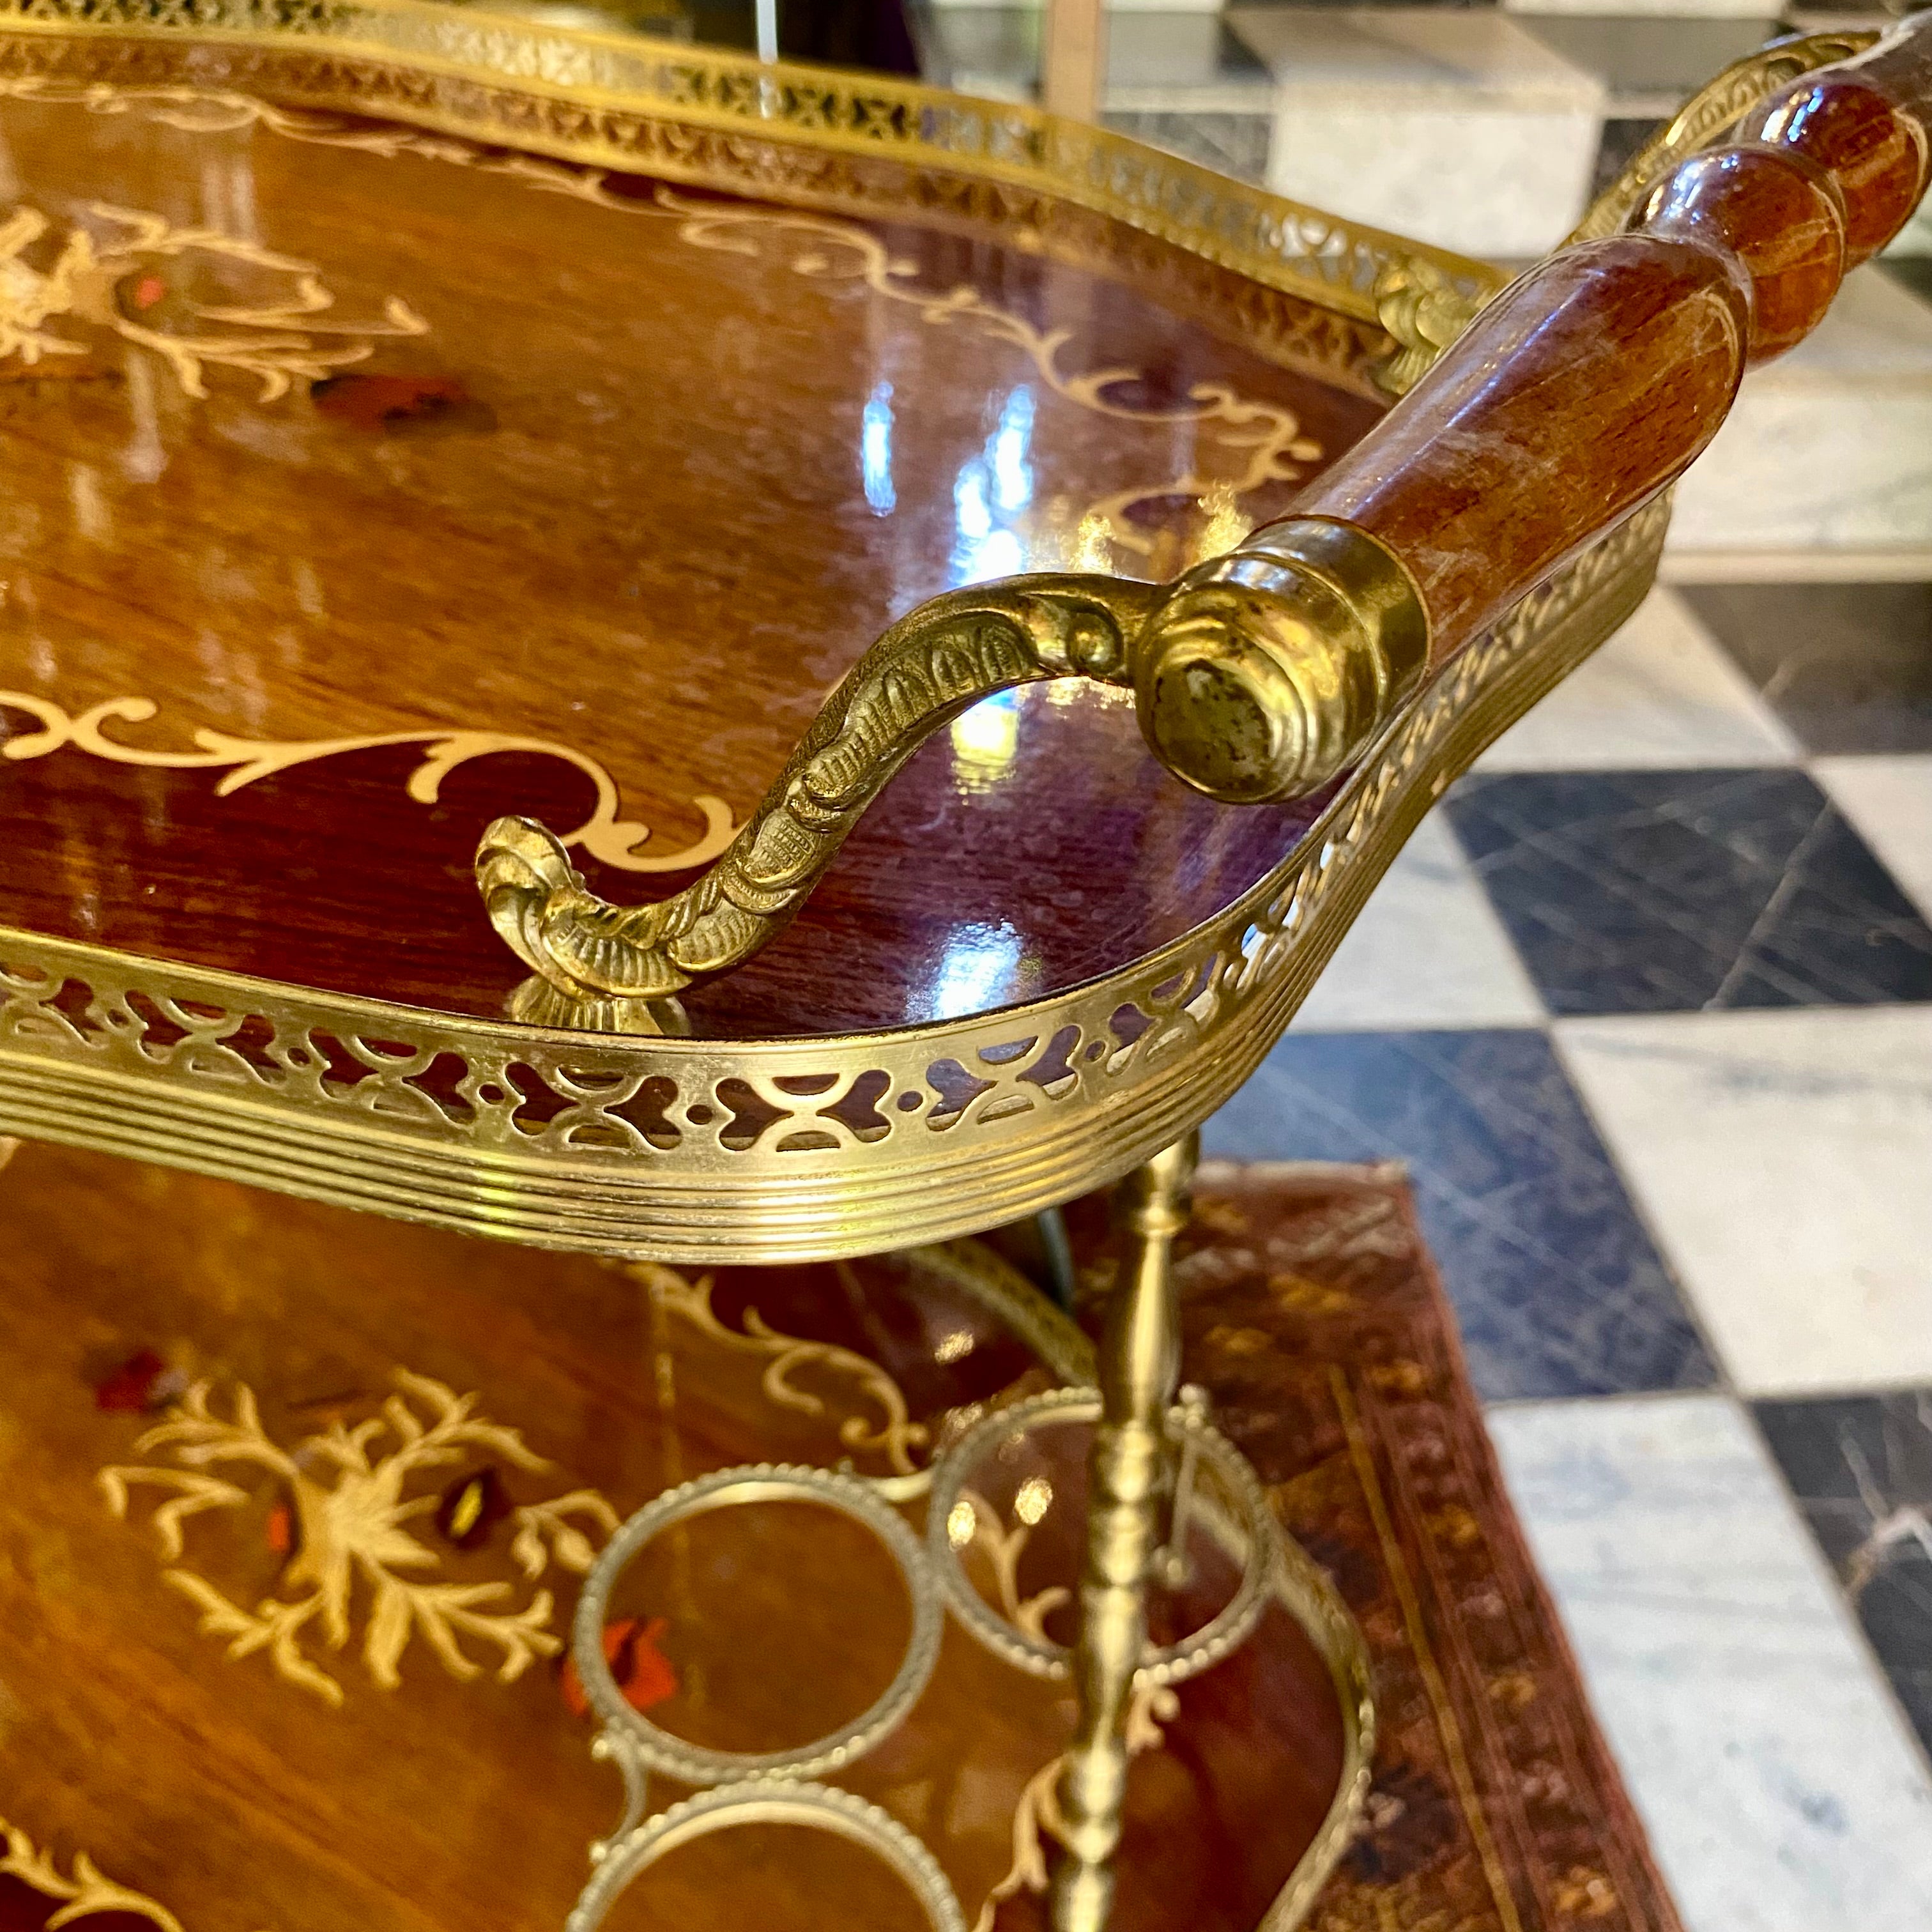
[417, 417]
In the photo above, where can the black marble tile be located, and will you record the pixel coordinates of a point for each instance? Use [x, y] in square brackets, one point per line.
[1915, 271]
[1617, 148]
[1558, 1289]
[1677, 891]
[1847, 666]
[1861, 1467]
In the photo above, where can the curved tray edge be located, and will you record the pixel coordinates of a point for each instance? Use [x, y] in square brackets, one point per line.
[722, 1152]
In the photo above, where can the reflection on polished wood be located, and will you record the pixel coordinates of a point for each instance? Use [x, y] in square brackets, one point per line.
[1268, 671]
[555, 519]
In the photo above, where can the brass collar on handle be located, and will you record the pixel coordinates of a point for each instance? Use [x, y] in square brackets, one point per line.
[1269, 671]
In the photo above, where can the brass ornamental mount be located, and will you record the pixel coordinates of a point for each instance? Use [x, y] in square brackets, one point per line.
[1259, 675]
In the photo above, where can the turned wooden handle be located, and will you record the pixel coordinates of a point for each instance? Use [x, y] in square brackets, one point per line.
[1591, 383]
[1579, 393]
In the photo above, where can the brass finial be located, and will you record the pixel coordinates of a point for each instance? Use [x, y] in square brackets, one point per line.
[1268, 671]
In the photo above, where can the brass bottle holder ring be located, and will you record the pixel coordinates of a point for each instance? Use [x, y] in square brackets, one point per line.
[770, 1800]
[1253, 1532]
[637, 1744]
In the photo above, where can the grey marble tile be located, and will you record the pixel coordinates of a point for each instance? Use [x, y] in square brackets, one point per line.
[1181, 50]
[1782, 1160]
[1661, 891]
[1781, 1791]
[1847, 666]
[1230, 144]
[1427, 950]
[1623, 135]
[1860, 1467]
[1660, 695]
[1651, 63]
[1557, 1287]
[992, 52]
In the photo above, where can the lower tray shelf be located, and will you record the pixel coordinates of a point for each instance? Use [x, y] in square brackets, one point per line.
[297, 1505]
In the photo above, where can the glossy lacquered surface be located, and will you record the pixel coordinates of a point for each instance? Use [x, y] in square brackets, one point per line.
[631, 473]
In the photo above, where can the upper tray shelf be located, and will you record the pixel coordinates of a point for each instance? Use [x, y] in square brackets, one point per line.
[366, 483]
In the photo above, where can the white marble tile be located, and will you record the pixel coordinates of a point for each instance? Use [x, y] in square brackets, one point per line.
[1784, 1160]
[1776, 1779]
[1889, 801]
[1662, 695]
[1829, 447]
[1457, 127]
[1427, 950]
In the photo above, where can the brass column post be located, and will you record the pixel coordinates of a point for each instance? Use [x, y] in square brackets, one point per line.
[1139, 1364]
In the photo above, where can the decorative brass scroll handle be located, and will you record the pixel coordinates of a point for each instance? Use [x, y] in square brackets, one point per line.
[615, 968]
[1252, 681]
[1581, 392]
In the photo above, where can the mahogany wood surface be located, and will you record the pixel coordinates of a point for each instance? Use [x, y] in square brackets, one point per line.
[635, 472]
[1590, 384]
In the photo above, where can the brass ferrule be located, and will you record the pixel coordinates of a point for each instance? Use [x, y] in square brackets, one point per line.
[1269, 670]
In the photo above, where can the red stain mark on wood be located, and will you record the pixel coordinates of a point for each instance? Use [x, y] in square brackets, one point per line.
[142, 1382]
[643, 1673]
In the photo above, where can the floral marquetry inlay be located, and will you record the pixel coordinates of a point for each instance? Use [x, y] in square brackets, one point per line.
[353, 1493]
[124, 273]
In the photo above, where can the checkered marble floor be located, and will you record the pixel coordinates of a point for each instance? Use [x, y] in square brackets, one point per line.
[1646, 1007]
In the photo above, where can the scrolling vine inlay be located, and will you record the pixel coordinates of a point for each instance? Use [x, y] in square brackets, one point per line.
[1265, 440]
[1262, 442]
[608, 838]
[895, 1436]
